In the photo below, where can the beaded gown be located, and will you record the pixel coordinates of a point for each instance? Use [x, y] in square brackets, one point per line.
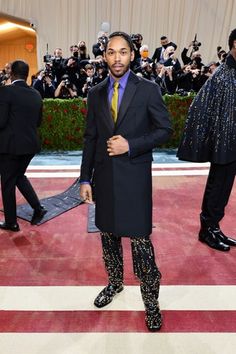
[210, 129]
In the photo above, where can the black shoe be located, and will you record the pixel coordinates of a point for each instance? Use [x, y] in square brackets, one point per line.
[107, 294]
[225, 239]
[209, 236]
[10, 227]
[153, 318]
[38, 215]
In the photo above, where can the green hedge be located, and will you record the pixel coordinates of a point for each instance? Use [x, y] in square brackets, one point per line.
[178, 108]
[64, 122]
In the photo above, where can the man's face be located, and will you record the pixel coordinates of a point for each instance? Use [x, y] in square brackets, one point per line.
[118, 56]
[164, 42]
[90, 72]
[7, 68]
[58, 53]
[196, 54]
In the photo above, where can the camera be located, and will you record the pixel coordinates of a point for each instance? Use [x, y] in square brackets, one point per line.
[3, 78]
[67, 81]
[103, 40]
[196, 44]
[56, 60]
[182, 92]
[47, 58]
[48, 70]
[134, 37]
[205, 69]
[223, 56]
[89, 82]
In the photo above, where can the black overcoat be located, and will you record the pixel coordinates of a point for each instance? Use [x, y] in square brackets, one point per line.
[123, 183]
[20, 117]
[210, 130]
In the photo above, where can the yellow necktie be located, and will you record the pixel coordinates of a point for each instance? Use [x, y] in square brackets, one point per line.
[114, 101]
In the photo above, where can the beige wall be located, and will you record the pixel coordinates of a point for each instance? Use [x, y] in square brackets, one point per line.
[63, 22]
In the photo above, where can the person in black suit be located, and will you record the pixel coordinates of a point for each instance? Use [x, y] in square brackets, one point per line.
[120, 135]
[210, 135]
[20, 115]
[158, 54]
[44, 84]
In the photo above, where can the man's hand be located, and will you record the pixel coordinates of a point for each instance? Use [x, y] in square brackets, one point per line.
[117, 145]
[48, 80]
[86, 193]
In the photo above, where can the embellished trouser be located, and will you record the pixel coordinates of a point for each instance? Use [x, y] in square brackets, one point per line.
[144, 265]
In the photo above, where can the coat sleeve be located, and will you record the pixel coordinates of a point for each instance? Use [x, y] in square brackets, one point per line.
[90, 141]
[160, 125]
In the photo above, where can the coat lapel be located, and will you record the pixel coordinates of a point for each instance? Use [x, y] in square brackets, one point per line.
[105, 110]
[129, 93]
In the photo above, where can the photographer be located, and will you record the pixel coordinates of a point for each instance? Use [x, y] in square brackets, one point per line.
[170, 59]
[66, 89]
[5, 75]
[99, 47]
[4, 78]
[82, 53]
[158, 54]
[74, 50]
[71, 68]
[165, 78]
[57, 62]
[191, 78]
[140, 64]
[101, 70]
[89, 83]
[137, 43]
[195, 56]
[44, 84]
[221, 54]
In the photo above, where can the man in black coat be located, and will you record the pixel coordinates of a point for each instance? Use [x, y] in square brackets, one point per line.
[158, 54]
[118, 155]
[210, 135]
[20, 115]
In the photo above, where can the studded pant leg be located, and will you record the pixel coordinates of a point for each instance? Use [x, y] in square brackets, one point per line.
[113, 257]
[146, 270]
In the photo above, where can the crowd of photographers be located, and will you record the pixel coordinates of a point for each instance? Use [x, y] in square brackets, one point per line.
[74, 76]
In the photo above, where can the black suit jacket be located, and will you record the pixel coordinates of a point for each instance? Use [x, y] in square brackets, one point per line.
[123, 184]
[20, 115]
[157, 54]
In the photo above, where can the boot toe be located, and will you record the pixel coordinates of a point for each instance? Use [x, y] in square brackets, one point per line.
[153, 319]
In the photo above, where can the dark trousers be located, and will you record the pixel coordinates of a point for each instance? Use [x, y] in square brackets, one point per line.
[217, 192]
[144, 265]
[12, 169]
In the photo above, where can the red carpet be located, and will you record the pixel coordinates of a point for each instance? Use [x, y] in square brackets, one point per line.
[115, 321]
[61, 252]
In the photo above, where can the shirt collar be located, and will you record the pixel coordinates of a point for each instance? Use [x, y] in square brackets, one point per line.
[122, 81]
[17, 80]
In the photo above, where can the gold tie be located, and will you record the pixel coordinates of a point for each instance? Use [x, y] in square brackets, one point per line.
[114, 101]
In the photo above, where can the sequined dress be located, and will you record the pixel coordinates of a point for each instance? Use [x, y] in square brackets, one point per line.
[210, 130]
